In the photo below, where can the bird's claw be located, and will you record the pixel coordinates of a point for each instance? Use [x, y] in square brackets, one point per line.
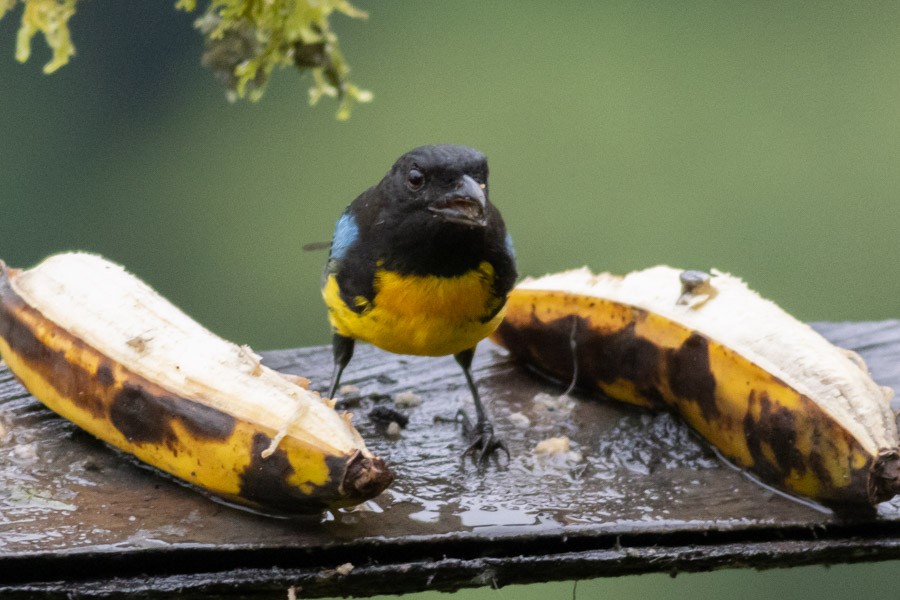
[483, 442]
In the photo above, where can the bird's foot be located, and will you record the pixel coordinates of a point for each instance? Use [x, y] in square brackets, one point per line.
[482, 441]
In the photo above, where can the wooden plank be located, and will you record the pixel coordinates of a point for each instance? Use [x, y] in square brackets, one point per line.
[646, 496]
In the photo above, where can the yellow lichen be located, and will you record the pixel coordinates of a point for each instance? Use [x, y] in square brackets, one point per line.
[6, 6]
[50, 17]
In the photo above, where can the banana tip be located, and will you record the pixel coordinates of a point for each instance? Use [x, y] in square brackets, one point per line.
[885, 483]
[366, 476]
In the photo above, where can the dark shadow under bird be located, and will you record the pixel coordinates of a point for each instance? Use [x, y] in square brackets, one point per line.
[421, 263]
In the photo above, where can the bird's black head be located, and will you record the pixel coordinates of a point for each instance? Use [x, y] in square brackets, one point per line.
[430, 215]
[444, 184]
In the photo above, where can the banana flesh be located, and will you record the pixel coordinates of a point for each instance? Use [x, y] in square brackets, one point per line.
[102, 349]
[766, 390]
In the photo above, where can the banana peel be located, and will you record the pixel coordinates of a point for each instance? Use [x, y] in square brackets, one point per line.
[771, 394]
[102, 349]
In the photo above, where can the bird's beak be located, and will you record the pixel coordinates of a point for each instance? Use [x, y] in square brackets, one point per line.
[465, 205]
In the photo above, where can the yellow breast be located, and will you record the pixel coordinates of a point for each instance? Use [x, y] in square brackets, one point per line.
[420, 314]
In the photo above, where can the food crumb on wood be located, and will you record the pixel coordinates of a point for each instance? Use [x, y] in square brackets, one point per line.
[25, 453]
[393, 429]
[547, 403]
[407, 399]
[520, 420]
[557, 448]
[341, 570]
[554, 445]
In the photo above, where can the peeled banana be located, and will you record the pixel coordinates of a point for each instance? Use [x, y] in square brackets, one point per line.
[104, 350]
[766, 390]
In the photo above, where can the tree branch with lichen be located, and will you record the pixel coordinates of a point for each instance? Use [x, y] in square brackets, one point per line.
[245, 41]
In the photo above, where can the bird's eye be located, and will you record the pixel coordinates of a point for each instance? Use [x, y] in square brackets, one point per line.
[415, 179]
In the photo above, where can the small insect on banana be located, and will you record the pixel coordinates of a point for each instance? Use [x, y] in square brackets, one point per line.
[102, 349]
[767, 391]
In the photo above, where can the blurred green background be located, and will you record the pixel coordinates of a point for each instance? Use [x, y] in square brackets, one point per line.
[759, 138]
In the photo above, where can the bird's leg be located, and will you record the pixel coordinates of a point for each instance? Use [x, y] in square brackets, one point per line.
[481, 434]
[342, 347]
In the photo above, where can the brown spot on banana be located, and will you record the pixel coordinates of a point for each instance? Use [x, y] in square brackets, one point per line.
[612, 360]
[146, 414]
[690, 376]
[105, 375]
[266, 481]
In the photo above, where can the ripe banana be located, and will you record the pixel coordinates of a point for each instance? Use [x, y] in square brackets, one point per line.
[102, 349]
[767, 391]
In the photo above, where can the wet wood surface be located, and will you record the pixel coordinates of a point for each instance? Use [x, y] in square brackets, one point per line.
[637, 493]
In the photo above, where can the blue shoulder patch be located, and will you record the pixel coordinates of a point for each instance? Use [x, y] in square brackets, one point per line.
[509, 245]
[345, 233]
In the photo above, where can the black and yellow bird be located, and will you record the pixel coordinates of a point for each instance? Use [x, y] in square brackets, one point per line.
[421, 263]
